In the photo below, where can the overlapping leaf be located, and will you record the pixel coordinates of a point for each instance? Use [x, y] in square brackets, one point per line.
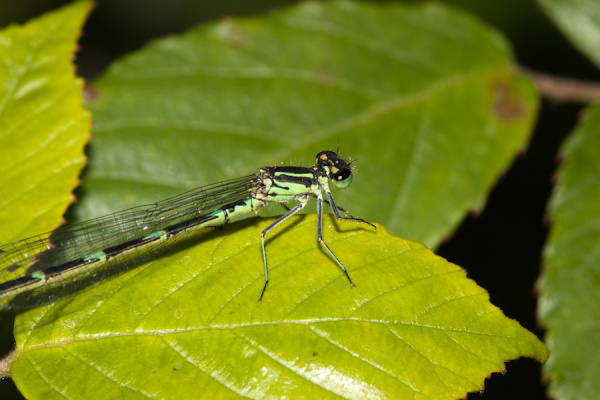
[570, 288]
[190, 325]
[423, 97]
[580, 21]
[43, 126]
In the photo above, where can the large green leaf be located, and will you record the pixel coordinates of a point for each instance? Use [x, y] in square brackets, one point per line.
[570, 286]
[43, 126]
[580, 22]
[190, 326]
[423, 96]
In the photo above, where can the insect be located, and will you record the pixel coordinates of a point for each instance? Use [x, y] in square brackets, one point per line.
[74, 249]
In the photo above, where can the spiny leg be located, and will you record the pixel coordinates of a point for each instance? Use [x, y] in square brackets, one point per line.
[342, 210]
[336, 211]
[284, 217]
[320, 234]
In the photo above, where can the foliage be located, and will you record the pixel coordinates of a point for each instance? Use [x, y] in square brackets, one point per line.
[425, 97]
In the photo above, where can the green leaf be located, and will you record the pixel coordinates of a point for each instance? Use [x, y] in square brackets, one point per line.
[189, 326]
[424, 97]
[579, 20]
[43, 126]
[570, 285]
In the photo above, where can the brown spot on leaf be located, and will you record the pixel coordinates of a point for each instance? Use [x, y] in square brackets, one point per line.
[90, 92]
[324, 77]
[507, 105]
[476, 212]
[233, 34]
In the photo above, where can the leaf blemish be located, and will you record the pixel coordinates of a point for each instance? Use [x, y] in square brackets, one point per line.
[233, 34]
[506, 104]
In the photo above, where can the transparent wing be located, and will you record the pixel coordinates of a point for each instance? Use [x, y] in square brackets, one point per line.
[72, 242]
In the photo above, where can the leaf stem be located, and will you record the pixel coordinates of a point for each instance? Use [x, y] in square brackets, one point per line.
[5, 364]
[563, 90]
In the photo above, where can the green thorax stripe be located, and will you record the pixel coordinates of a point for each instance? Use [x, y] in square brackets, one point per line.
[289, 182]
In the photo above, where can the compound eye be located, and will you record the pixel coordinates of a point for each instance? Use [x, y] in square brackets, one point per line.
[342, 178]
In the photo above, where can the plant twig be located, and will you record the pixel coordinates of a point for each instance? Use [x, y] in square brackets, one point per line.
[5, 364]
[563, 89]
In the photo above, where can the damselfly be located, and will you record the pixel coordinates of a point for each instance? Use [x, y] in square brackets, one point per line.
[51, 258]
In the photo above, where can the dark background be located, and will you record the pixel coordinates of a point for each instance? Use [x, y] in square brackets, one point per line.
[500, 246]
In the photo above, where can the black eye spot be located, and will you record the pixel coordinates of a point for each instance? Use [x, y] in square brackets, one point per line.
[342, 175]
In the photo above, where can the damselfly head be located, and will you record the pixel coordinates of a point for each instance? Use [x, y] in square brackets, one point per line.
[338, 170]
